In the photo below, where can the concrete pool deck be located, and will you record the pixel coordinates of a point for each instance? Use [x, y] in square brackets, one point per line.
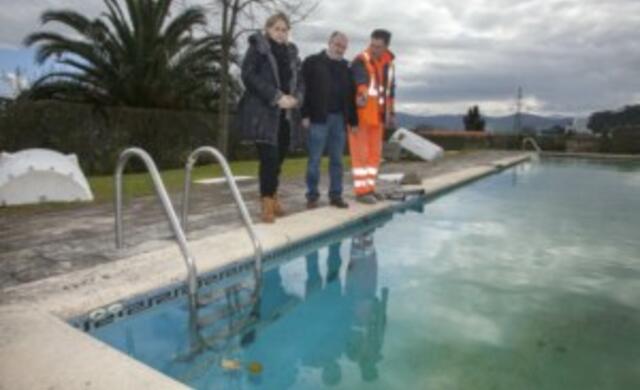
[39, 350]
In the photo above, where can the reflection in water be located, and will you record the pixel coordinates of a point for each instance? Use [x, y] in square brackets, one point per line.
[317, 317]
[326, 310]
[353, 319]
[366, 333]
[339, 317]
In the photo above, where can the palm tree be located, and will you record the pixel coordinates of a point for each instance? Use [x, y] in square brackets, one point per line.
[141, 58]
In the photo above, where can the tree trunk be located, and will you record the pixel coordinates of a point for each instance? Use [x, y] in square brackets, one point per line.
[223, 131]
[223, 109]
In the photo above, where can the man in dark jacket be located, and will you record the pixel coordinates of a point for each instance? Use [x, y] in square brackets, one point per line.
[328, 106]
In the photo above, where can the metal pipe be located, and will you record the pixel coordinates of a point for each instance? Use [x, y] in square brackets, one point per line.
[532, 142]
[237, 196]
[161, 192]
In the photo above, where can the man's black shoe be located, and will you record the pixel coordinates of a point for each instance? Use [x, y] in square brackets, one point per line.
[339, 203]
[366, 199]
[379, 197]
[312, 204]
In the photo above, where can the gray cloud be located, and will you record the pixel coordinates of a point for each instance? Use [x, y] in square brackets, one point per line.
[571, 56]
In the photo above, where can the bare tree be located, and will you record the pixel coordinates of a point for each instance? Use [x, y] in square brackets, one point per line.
[237, 17]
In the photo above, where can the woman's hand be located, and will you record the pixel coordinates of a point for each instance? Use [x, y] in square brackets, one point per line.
[294, 102]
[287, 101]
[282, 102]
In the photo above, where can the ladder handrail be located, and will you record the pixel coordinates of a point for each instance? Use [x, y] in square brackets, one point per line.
[242, 208]
[161, 192]
[532, 142]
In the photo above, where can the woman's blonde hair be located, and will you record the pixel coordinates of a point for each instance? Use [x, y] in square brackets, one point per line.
[275, 18]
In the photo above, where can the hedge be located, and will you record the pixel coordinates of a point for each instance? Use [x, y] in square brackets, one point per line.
[98, 135]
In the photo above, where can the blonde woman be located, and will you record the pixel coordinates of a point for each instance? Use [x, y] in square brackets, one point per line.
[269, 109]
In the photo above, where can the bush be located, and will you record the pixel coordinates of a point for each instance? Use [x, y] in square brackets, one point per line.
[98, 135]
[625, 140]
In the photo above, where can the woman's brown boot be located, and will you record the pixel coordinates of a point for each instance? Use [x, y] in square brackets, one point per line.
[267, 210]
[277, 207]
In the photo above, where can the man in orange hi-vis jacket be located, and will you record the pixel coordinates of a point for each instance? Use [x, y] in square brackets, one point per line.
[373, 73]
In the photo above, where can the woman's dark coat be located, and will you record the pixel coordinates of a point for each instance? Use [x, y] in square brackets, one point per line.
[259, 114]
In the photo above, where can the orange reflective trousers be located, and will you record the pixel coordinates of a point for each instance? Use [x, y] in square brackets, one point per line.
[365, 146]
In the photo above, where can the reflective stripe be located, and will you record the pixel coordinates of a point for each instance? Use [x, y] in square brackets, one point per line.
[360, 183]
[372, 171]
[381, 101]
[360, 171]
[390, 77]
[372, 88]
[373, 91]
[371, 182]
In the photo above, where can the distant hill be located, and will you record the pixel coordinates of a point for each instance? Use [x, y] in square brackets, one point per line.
[498, 124]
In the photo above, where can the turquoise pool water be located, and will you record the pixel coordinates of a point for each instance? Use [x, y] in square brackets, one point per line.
[528, 279]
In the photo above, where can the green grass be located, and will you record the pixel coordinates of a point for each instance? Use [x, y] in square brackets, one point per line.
[139, 184]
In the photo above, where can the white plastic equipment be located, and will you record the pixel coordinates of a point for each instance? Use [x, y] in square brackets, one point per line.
[41, 175]
[417, 145]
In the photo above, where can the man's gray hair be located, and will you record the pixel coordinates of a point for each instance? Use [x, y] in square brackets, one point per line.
[336, 34]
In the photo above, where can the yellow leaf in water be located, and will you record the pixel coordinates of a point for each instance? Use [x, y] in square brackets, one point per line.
[230, 364]
[254, 368]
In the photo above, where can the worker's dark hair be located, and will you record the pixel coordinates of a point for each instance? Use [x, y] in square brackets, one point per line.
[385, 35]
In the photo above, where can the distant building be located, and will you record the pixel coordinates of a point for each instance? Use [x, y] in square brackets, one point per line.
[580, 126]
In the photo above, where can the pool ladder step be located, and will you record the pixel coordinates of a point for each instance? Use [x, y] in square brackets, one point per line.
[213, 296]
[231, 305]
[219, 337]
[225, 312]
[234, 329]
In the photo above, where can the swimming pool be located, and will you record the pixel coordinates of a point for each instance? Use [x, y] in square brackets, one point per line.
[529, 278]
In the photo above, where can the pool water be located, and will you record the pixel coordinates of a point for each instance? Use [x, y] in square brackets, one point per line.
[527, 279]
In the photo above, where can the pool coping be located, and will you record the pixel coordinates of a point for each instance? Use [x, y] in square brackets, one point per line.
[42, 305]
[593, 156]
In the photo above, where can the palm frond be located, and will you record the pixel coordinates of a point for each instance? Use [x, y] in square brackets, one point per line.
[133, 54]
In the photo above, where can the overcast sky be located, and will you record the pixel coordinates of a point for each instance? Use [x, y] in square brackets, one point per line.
[570, 56]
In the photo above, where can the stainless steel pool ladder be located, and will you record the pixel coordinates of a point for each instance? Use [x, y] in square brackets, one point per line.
[231, 295]
[161, 192]
[237, 197]
[530, 140]
[234, 306]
